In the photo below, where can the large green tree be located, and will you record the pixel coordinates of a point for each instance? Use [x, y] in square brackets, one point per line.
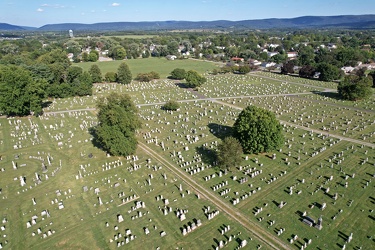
[20, 94]
[96, 74]
[124, 75]
[171, 105]
[117, 52]
[258, 130]
[110, 76]
[307, 71]
[288, 67]
[193, 79]
[355, 88]
[118, 122]
[178, 74]
[229, 153]
[328, 72]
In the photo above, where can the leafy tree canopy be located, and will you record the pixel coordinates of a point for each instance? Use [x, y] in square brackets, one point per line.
[124, 75]
[307, 71]
[110, 77]
[243, 69]
[287, 68]
[229, 153]
[355, 88]
[118, 121]
[258, 130]
[328, 72]
[178, 74]
[193, 79]
[95, 73]
[20, 94]
[146, 77]
[171, 105]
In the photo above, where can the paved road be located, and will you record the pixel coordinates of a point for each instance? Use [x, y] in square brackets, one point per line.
[262, 235]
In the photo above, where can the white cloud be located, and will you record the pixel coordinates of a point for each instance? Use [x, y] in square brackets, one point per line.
[39, 10]
[115, 4]
[55, 6]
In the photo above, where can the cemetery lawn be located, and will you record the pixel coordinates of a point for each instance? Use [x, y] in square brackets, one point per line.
[160, 65]
[59, 190]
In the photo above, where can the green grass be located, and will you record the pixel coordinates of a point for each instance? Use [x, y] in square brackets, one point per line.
[337, 118]
[159, 65]
[81, 224]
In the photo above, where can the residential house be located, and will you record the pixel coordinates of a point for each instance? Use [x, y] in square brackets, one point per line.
[70, 56]
[171, 57]
[292, 54]
[271, 54]
[347, 69]
[273, 45]
[268, 64]
[237, 59]
[253, 62]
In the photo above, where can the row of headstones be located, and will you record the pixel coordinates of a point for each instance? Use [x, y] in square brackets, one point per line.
[181, 214]
[223, 243]
[258, 210]
[197, 169]
[304, 245]
[246, 195]
[46, 234]
[237, 87]
[134, 167]
[209, 177]
[211, 215]
[128, 199]
[58, 102]
[188, 163]
[220, 185]
[190, 227]
[3, 228]
[34, 217]
[127, 233]
[21, 130]
[109, 167]
[127, 240]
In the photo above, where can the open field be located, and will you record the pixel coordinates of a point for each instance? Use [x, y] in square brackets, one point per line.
[60, 191]
[159, 65]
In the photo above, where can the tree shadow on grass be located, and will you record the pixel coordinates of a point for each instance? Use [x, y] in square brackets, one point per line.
[332, 95]
[208, 155]
[46, 104]
[181, 85]
[95, 141]
[220, 131]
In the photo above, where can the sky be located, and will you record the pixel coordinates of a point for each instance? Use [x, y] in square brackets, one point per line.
[36, 13]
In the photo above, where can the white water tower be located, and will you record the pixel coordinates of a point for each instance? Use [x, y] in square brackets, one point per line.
[71, 33]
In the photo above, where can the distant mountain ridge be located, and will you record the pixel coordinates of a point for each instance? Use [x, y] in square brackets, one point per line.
[343, 21]
[6, 26]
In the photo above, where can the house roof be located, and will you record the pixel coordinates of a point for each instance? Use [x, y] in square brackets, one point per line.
[237, 59]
